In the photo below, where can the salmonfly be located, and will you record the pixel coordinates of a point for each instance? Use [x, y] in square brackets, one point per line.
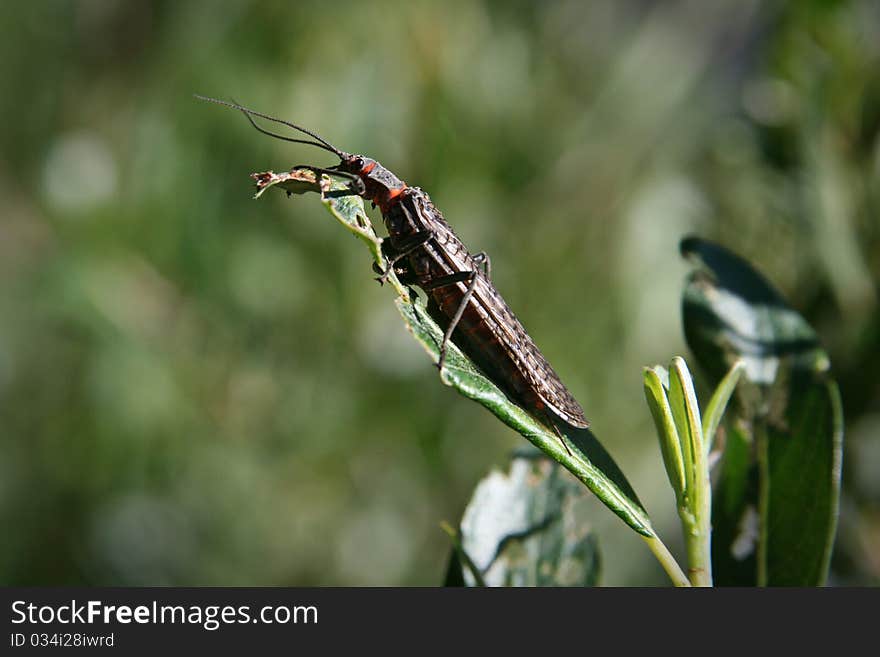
[422, 250]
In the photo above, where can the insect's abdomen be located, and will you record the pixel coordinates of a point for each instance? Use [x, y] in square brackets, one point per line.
[492, 336]
[488, 332]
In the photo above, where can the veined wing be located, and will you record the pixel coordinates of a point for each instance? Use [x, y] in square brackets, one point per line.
[495, 311]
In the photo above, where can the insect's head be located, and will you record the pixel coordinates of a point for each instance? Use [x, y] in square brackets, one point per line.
[355, 167]
[356, 164]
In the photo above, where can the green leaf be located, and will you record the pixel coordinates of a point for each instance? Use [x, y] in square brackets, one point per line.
[776, 504]
[526, 528]
[588, 460]
[667, 432]
[718, 403]
[685, 413]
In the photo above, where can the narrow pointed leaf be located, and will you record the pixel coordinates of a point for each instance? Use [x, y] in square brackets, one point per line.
[670, 443]
[588, 461]
[718, 403]
[678, 405]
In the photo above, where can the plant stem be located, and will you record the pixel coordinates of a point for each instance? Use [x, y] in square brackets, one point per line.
[759, 436]
[697, 535]
[698, 518]
[670, 565]
[700, 548]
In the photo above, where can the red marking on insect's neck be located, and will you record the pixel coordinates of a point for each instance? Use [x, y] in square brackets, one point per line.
[369, 167]
[388, 197]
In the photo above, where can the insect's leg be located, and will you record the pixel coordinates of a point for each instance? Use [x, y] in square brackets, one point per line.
[403, 271]
[469, 277]
[446, 281]
[482, 258]
[407, 246]
[388, 254]
[561, 438]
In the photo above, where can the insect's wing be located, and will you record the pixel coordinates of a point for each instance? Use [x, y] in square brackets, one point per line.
[529, 358]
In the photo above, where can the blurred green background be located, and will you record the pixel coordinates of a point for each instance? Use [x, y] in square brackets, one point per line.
[197, 388]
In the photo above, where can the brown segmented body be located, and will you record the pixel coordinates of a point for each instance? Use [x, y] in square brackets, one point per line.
[488, 331]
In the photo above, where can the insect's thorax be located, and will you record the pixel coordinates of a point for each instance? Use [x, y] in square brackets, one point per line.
[380, 181]
[410, 213]
[380, 185]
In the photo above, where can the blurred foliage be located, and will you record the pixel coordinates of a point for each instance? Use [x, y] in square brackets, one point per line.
[182, 399]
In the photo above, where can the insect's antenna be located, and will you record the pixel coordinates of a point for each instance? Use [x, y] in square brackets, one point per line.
[320, 142]
[260, 128]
